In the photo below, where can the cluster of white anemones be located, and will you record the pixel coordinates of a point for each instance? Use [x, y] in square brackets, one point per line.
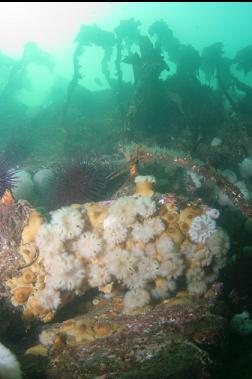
[201, 257]
[130, 248]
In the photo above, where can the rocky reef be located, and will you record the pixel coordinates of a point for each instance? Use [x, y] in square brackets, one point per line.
[154, 258]
[146, 246]
[177, 338]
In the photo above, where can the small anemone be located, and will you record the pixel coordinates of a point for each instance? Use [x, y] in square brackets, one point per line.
[21, 295]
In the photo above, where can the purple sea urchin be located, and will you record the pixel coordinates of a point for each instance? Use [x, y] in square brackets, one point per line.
[7, 177]
[78, 181]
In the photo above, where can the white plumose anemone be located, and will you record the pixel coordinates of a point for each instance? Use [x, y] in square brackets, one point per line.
[122, 263]
[89, 245]
[98, 275]
[47, 337]
[142, 232]
[114, 231]
[146, 231]
[145, 206]
[48, 243]
[202, 228]
[213, 213]
[136, 298]
[172, 268]
[66, 273]
[148, 268]
[165, 246]
[49, 299]
[125, 207]
[68, 223]
[165, 290]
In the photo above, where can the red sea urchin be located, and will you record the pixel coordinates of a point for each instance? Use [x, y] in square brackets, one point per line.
[7, 177]
[79, 181]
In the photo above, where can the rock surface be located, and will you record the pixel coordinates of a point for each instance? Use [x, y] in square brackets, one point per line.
[179, 338]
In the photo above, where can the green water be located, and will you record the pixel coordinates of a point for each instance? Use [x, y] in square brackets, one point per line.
[33, 96]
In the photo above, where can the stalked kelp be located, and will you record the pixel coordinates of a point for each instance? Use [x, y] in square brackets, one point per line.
[124, 36]
[148, 92]
[89, 35]
[165, 39]
[243, 59]
[17, 77]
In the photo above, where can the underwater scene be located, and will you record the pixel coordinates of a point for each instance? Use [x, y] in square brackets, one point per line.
[125, 190]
